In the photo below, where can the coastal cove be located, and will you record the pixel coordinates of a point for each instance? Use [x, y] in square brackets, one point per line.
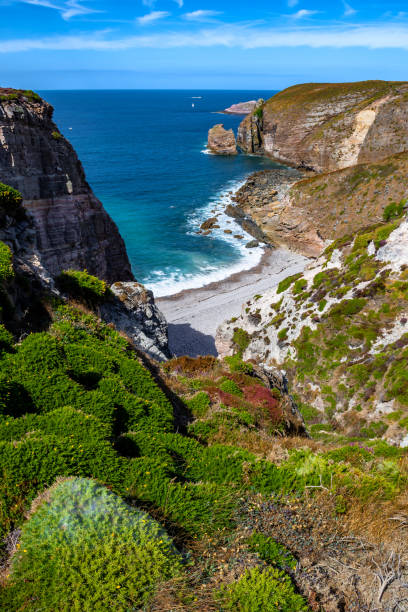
[144, 157]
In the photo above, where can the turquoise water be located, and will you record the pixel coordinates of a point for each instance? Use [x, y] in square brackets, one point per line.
[144, 156]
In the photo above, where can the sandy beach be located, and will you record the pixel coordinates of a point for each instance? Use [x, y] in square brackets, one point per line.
[195, 314]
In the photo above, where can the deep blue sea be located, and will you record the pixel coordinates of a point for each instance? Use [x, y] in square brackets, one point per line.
[144, 156]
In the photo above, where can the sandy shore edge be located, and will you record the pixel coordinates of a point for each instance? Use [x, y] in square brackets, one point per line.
[194, 314]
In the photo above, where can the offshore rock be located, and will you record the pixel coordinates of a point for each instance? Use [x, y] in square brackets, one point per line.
[134, 312]
[73, 229]
[222, 141]
[325, 127]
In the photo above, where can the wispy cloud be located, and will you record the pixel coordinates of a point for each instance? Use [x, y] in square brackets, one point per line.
[68, 9]
[302, 14]
[348, 10]
[201, 15]
[293, 3]
[379, 36]
[152, 17]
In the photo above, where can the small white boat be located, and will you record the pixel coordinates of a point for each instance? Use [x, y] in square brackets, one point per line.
[193, 105]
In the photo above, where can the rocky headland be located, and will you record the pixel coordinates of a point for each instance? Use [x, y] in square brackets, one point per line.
[242, 108]
[325, 127]
[222, 141]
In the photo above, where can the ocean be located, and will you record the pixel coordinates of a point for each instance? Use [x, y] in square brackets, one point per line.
[144, 156]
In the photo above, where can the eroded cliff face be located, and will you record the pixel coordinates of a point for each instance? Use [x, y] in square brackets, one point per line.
[327, 127]
[73, 229]
[64, 226]
[305, 215]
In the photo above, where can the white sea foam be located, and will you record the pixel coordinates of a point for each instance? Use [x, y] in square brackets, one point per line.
[171, 281]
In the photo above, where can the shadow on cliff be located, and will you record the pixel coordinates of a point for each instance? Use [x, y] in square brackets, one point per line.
[185, 340]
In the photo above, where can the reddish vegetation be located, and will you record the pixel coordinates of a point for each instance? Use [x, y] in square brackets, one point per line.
[261, 396]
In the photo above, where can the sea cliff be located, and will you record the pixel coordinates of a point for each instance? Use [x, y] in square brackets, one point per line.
[325, 127]
[63, 226]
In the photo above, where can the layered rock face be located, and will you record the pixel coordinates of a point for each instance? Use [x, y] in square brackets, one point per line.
[65, 226]
[73, 229]
[222, 141]
[304, 215]
[327, 127]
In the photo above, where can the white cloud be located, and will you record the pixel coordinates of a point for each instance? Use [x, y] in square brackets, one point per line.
[152, 17]
[348, 10]
[302, 14]
[201, 15]
[179, 3]
[378, 36]
[71, 8]
[293, 3]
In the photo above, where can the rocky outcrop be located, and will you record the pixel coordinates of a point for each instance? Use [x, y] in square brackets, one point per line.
[340, 332]
[73, 229]
[242, 108]
[222, 141]
[304, 215]
[327, 127]
[134, 312]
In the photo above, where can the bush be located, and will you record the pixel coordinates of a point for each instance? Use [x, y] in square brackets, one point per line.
[56, 135]
[107, 555]
[347, 307]
[259, 590]
[199, 404]
[6, 340]
[394, 210]
[81, 285]
[241, 339]
[286, 282]
[6, 263]
[229, 386]
[10, 200]
[236, 364]
[271, 551]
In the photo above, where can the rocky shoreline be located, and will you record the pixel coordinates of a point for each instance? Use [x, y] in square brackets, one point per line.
[258, 197]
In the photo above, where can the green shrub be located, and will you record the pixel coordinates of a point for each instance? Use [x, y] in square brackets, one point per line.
[259, 590]
[271, 551]
[347, 307]
[286, 282]
[199, 404]
[236, 364]
[6, 340]
[283, 334]
[299, 285]
[10, 200]
[56, 135]
[6, 263]
[229, 386]
[81, 285]
[107, 555]
[394, 210]
[241, 339]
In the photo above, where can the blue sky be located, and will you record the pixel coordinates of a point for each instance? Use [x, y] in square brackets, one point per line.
[258, 44]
